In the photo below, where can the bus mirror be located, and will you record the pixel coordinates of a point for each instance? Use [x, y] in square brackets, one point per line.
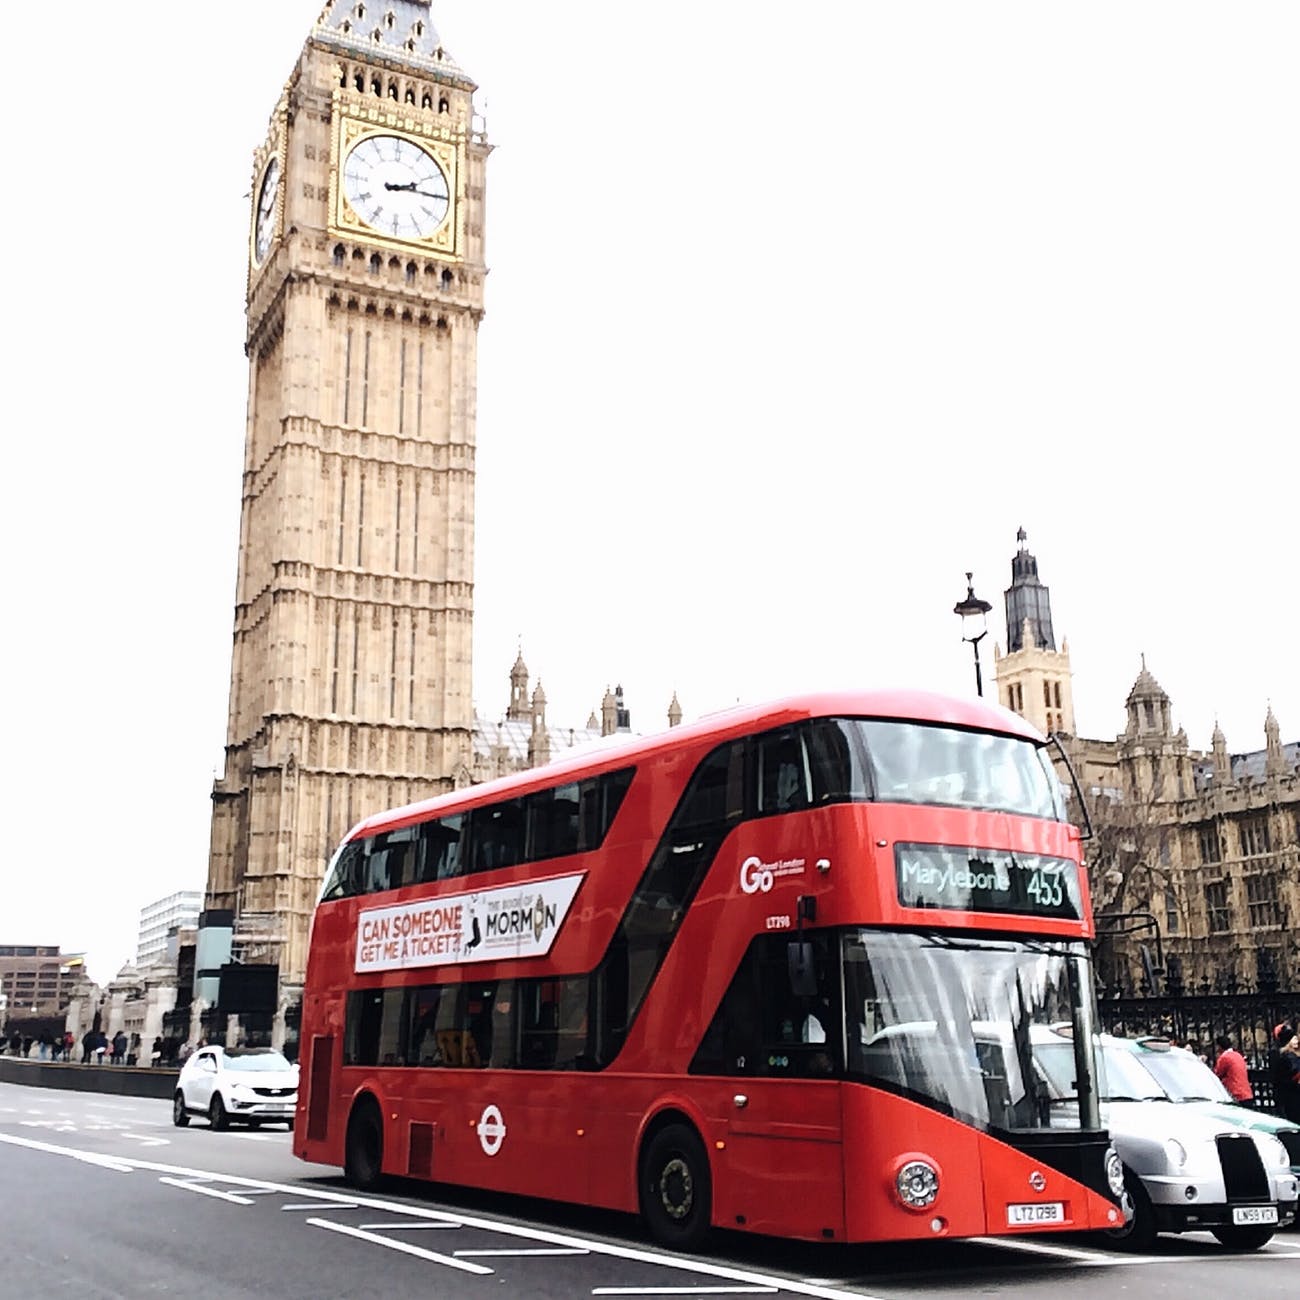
[803, 976]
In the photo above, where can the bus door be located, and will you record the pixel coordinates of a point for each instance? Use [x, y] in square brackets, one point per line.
[777, 1035]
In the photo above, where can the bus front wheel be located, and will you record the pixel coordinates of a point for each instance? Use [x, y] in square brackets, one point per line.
[676, 1191]
[363, 1156]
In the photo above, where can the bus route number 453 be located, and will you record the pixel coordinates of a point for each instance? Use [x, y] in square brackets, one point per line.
[1044, 888]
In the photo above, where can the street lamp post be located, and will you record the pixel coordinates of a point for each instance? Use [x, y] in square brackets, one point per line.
[974, 626]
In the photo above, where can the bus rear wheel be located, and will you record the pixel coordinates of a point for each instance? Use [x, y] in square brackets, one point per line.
[363, 1154]
[676, 1191]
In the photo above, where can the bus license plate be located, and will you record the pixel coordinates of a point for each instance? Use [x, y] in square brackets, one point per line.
[1039, 1212]
[1254, 1214]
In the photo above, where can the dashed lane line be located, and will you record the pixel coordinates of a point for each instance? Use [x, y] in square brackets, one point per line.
[216, 1192]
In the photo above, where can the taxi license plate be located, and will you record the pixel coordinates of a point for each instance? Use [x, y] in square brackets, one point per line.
[1038, 1212]
[1254, 1214]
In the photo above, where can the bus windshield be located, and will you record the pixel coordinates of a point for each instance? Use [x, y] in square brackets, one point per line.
[919, 764]
[953, 1021]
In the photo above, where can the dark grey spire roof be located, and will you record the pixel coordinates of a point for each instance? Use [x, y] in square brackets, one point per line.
[401, 30]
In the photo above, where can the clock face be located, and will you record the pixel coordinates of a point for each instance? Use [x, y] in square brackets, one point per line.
[395, 187]
[264, 223]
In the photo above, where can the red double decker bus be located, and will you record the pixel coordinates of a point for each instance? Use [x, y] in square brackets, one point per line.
[776, 971]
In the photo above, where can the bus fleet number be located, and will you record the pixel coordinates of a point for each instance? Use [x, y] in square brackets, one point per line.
[778, 922]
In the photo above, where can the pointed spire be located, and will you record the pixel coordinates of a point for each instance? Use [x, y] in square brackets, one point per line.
[674, 712]
[518, 688]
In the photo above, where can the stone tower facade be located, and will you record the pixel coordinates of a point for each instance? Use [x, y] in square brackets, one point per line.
[351, 667]
[1033, 676]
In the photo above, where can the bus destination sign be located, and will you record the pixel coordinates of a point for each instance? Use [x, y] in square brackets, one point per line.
[519, 920]
[987, 880]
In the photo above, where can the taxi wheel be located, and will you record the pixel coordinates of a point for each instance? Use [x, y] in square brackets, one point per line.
[217, 1116]
[1139, 1234]
[676, 1188]
[180, 1116]
[1250, 1237]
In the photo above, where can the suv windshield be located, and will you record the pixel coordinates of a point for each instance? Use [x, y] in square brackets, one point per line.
[953, 1022]
[256, 1061]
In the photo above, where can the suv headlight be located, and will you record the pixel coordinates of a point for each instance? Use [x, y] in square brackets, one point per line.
[1114, 1173]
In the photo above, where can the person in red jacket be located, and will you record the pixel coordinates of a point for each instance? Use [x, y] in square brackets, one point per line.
[1230, 1066]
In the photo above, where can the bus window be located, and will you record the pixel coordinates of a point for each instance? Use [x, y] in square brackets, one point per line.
[374, 1028]
[441, 848]
[553, 1023]
[782, 773]
[390, 861]
[552, 822]
[716, 797]
[422, 1038]
[838, 762]
[601, 797]
[496, 835]
[345, 875]
[762, 1027]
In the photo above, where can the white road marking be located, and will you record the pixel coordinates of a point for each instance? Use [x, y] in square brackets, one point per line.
[400, 1227]
[206, 1191]
[1030, 1247]
[404, 1247]
[319, 1205]
[147, 1141]
[536, 1250]
[684, 1290]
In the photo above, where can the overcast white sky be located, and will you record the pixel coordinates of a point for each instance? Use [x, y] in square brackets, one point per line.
[796, 312]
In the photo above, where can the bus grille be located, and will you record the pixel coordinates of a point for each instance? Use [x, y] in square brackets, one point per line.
[1243, 1170]
[1290, 1138]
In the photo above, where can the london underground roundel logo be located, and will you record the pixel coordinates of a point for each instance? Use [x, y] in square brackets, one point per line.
[491, 1130]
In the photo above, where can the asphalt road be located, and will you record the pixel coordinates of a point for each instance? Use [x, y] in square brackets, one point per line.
[102, 1197]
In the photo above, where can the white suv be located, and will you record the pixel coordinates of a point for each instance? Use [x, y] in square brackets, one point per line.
[253, 1085]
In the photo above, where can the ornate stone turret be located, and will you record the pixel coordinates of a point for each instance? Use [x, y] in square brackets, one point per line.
[608, 713]
[1152, 754]
[539, 742]
[674, 712]
[1222, 762]
[1274, 760]
[518, 709]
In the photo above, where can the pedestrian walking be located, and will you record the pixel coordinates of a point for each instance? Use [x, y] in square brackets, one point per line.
[1230, 1066]
[1285, 1063]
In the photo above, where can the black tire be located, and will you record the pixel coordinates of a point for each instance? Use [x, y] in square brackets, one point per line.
[676, 1188]
[180, 1116]
[1139, 1234]
[1248, 1237]
[363, 1152]
[217, 1116]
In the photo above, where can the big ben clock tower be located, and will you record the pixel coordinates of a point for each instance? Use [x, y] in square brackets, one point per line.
[350, 683]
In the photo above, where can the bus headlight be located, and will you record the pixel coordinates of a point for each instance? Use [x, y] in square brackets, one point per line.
[1114, 1173]
[917, 1184]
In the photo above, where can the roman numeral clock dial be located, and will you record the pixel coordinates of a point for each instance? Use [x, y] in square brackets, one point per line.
[264, 217]
[396, 187]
